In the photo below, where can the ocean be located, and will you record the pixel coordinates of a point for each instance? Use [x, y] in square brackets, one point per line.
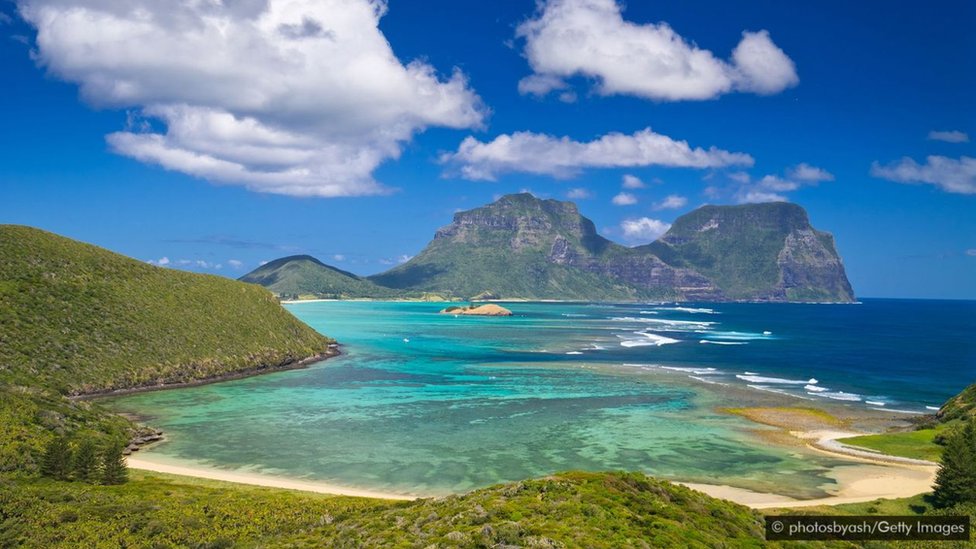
[423, 403]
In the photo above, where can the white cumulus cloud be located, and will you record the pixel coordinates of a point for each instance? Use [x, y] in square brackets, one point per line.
[753, 196]
[769, 188]
[235, 263]
[296, 97]
[807, 173]
[590, 38]
[643, 229]
[624, 199]
[953, 136]
[528, 152]
[161, 262]
[632, 182]
[578, 193]
[949, 174]
[671, 202]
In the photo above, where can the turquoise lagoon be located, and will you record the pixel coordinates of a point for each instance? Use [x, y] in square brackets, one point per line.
[424, 403]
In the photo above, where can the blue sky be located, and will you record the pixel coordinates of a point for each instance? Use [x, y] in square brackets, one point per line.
[308, 129]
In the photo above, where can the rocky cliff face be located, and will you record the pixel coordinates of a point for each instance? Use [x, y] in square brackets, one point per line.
[521, 246]
[757, 252]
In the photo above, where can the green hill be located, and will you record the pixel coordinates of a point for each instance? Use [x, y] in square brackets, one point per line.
[304, 276]
[757, 252]
[76, 319]
[523, 247]
[599, 510]
[84, 319]
[961, 406]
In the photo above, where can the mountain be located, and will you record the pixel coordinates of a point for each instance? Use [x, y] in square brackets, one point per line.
[519, 246]
[757, 252]
[303, 275]
[524, 247]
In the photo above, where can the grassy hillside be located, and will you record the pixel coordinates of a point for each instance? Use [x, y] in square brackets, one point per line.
[80, 319]
[303, 276]
[77, 319]
[568, 510]
[961, 406]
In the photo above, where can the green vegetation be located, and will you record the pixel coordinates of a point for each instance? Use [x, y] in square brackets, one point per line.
[76, 319]
[524, 247]
[57, 459]
[517, 247]
[80, 319]
[113, 465]
[30, 417]
[757, 251]
[961, 406]
[931, 434]
[566, 510]
[303, 277]
[85, 463]
[956, 481]
[503, 249]
[920, 444]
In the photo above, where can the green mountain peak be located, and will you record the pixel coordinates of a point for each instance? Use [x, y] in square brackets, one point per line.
[305, 276]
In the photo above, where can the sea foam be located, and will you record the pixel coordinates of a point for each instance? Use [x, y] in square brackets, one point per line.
[648, 340]
[776, 380]
[838, 395]
[692, 310]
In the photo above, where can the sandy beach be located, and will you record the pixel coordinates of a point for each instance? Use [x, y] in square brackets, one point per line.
[256, 479]
[855, 484]
[871, 476]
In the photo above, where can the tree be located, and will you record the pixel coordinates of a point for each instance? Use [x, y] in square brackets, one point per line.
[57, 459]
[85, 463]
[113, 465]
[956, 480]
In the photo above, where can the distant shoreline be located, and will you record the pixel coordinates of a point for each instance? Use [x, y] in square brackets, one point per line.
[569, 301]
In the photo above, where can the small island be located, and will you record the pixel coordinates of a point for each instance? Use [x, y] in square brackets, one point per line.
[488, 309]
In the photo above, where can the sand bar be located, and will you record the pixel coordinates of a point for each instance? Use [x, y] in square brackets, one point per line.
[855, 484]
